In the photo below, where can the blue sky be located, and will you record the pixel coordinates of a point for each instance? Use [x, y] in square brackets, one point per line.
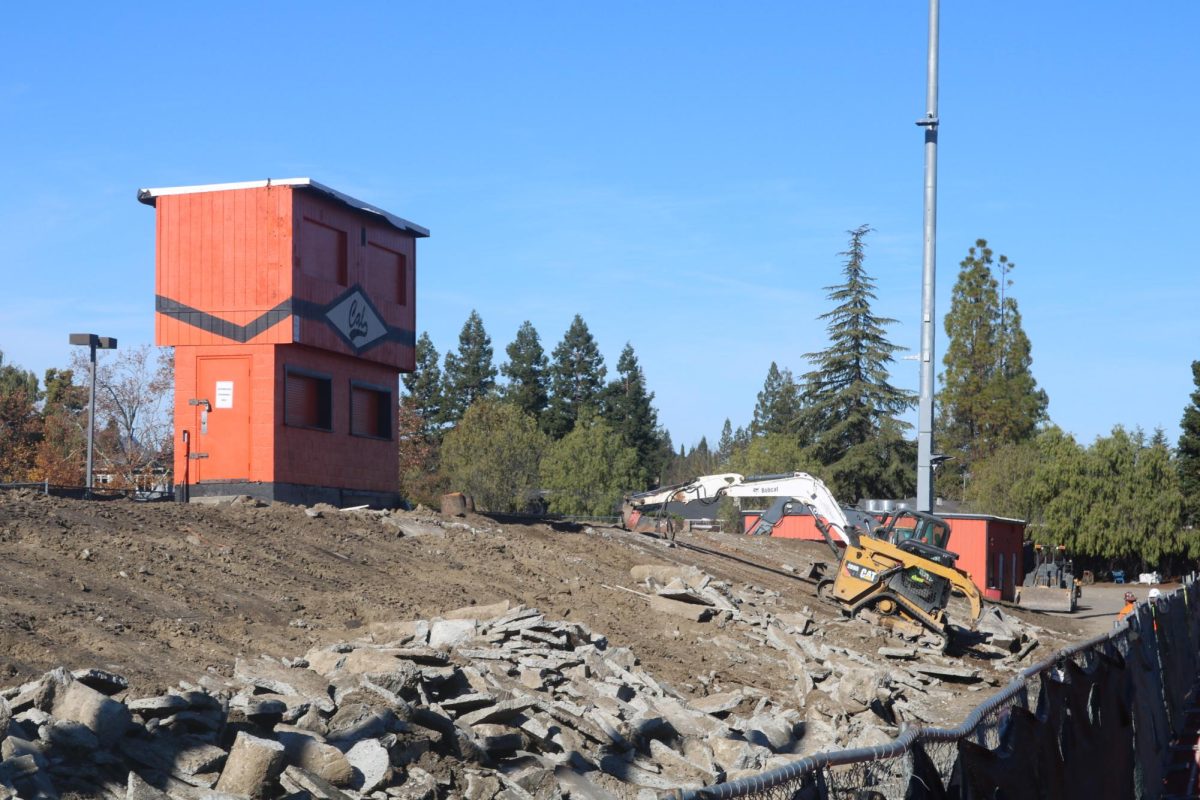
[680, 174]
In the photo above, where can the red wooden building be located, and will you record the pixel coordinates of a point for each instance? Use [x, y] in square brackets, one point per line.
[292, 311]
[989, 547]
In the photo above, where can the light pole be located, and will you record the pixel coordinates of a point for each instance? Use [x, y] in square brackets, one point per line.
[93, 343]
[926, 460]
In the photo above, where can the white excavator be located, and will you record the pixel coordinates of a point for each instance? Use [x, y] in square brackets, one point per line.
[897, 567]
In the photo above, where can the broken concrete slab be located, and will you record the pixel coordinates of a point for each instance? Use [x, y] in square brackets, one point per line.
[719, 703]
[901, 653]
[449, 632]
[161, 706]
[370, 760]
[945, 672]
[500, 712]
[688, 611]
[272, 676]
[419, 785]
[298, 780]
[105, 717]
[252, 767]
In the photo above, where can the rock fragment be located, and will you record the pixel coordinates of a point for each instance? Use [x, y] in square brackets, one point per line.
[252, 766]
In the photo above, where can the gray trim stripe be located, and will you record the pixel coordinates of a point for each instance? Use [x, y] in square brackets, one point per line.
[241, 334]
[222, 327]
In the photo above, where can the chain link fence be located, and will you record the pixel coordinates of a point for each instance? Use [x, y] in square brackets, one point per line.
[1093, 721]
[162, 492]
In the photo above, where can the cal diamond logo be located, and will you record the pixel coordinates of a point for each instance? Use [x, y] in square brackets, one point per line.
[356, 319]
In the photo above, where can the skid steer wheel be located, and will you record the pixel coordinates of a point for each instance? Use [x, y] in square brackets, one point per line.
[887, 606]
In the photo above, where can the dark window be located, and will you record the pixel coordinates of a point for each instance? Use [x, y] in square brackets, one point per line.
[370, 411]
[308, 400]
[387, 274]
[323, 251]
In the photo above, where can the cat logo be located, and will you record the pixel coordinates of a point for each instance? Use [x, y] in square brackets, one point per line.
[861, 572]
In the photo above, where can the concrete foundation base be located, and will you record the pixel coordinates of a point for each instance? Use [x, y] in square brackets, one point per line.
[296, 494]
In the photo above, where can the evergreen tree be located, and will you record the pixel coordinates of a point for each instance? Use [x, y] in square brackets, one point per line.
[772, 454]
[741, 438]
[424, 385]
[725, 444]
[589, 469]
[494, 455]
[1188, 454]
[1159, 439]
[469, 374]
[989, 396]
[851, 408]
[778, 407]
[628, 409]
[526, 372]
[576, 379]
[20, 424]
[61, 454]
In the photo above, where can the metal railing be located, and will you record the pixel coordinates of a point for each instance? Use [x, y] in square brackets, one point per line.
[154, 494]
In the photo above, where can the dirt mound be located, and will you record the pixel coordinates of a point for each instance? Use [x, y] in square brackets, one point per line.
[162, 594]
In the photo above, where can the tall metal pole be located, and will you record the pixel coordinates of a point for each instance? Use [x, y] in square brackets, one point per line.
[928, 274]
[91, 417]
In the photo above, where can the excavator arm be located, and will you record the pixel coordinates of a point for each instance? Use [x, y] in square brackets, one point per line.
[800, 486]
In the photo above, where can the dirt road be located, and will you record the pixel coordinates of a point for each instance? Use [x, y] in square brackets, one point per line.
[1100, 603]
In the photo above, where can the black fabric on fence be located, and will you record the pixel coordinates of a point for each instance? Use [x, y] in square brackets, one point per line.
[1179, 653]
[1105, 732]
[1152, 730]
[925, 783]
[1009, 771]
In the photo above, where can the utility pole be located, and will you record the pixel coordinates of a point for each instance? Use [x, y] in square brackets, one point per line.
[925, 458]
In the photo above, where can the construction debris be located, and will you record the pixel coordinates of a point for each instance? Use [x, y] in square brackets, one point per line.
[513, 698]
[485, 702]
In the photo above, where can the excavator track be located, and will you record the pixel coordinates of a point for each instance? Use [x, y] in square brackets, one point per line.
[893, 606]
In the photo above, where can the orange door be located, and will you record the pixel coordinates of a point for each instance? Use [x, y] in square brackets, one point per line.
[223, 442]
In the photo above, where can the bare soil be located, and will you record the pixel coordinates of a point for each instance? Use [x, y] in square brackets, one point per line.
[161, 592]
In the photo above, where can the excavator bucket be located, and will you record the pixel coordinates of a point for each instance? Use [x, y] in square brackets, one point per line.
[1047, 598]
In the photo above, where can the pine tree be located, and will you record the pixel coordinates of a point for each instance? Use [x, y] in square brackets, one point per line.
[851, 409]
[526, 371]
[778, 407]
[725, 444]
[424, 385]
[1187, 458]
[494, 455]
[467, 375]
[20, 424]
[589, 469]
[989, 397]
[628, 409]
[576, 379]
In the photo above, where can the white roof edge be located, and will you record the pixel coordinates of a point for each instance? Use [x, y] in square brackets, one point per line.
[973, 515]
[149, 196]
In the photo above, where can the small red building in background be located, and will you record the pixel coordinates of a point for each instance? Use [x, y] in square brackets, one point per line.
[989, 548]
[292, 311]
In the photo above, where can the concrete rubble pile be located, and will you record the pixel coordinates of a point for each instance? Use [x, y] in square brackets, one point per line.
[482, 703]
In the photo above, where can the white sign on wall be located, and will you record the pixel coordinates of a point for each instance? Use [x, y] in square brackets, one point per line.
[224, 394]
